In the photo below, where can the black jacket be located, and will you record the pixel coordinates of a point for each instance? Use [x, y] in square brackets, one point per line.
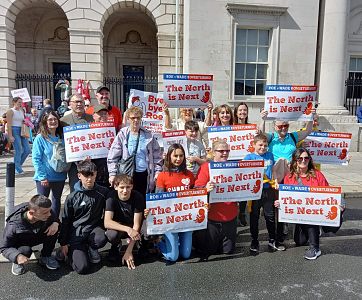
[83, 211]
[19, 232]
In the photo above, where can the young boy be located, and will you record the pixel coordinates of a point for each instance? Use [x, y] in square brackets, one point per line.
[30, 224]
[197, 152]
[81, 234]
[123, 217]
[267, 198]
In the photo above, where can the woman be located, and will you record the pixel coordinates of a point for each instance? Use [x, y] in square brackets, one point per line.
[148, 153]
[303, 172]
[175, 177]
[15, 119]
[224, 116]
[220, 235]
[46, 178]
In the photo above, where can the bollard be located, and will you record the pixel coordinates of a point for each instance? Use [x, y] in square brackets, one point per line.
[10, 189]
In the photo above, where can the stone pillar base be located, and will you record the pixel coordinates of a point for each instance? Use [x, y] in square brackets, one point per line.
[335, 110]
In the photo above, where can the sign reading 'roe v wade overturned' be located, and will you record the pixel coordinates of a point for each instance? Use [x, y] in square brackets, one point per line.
[310, 205]
[176, 211]
[239, 137]
[329, 147]
[174, 137]
[236, 180]
[290, 102]
[187, 90]
[91, 139]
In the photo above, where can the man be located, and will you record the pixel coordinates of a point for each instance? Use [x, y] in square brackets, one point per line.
[123, 218]
[81, 234]
[103, 94]
[30, 224]
[76, 116]
[46, 109]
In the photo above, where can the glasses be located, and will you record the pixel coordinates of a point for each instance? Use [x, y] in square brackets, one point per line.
[52, 120]
[134, 118]
[285, 126]
[300, 159]
[78, 102]
[222, 151]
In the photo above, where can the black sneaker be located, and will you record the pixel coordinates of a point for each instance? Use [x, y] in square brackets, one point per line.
[114, 253]
[312, 253]
[254, 247]
[275, 246]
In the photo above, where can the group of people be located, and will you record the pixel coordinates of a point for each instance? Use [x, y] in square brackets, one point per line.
[105, 206]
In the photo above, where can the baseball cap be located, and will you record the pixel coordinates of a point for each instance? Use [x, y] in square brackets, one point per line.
[98, 108]
[102, 87]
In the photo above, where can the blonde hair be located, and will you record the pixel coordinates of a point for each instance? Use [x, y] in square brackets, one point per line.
[134, 110]
[210, 155]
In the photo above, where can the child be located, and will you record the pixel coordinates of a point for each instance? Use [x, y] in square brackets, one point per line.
[175, 177]
[196, 149]
[267, 198]
[81, 230]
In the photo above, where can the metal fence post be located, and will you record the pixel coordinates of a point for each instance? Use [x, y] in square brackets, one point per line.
[10, 189]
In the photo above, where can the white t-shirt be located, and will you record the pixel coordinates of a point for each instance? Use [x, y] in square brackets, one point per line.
[18, 118]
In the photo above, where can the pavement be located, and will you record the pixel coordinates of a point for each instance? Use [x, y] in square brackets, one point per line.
[348, 177]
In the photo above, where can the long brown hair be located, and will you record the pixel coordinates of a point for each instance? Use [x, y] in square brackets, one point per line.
[43, 126]
[236, 119]
[229, 110]
[168, 166]
[294, 171]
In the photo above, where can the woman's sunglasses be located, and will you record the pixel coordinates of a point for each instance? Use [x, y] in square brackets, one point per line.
[222, 151]
[300, 159]
[282, 126]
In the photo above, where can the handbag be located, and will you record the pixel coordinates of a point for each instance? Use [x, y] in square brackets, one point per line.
[128, 166]
[25, 131]
[58, 161]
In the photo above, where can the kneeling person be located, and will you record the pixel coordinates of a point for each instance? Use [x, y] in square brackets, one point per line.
[123, 217]
[30, 224]
[82, 221]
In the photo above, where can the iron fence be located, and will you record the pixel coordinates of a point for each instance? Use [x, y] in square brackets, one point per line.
[353, 92]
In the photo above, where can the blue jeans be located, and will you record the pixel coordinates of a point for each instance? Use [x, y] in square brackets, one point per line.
[175, 244]
[21, 148]
[56, 188]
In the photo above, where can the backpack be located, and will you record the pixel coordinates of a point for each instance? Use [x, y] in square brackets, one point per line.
[58, 161]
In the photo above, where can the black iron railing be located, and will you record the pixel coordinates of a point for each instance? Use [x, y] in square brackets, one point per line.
[354, 92]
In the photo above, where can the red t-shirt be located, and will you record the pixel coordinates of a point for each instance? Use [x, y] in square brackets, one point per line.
[114, 115]
[318, 180]
[175, 181]
[219, 212]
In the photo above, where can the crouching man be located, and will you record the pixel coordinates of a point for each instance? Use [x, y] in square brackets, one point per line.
[123, 218]
[30, 224]
[82, 235]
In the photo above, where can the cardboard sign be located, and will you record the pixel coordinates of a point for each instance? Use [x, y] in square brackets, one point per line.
[236, 180]
[174, 137]
[176, 211]
[310, 205]
[329, 147]
[187, 90]
[290, 102]
[91, 139]
[239, 137]
[22, 93]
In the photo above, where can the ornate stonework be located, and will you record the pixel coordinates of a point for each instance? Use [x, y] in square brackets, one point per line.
[60, 34]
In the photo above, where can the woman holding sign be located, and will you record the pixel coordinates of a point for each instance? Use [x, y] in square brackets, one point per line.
[220, 235]
[175, 177]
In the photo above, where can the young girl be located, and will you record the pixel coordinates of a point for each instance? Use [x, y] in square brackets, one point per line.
[175, 177]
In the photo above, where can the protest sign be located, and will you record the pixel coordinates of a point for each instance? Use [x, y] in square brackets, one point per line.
[290, 102]
[174, 137]
[239, 137]
[187, 90]
[310, 205]
[329, 147]
[90, 139]
[236, 180]
[37, 102]
[176, 211]
[22, 93]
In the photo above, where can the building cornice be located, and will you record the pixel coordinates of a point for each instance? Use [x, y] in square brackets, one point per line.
[256, 9]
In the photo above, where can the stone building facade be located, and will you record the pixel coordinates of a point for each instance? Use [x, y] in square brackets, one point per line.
[244, 44]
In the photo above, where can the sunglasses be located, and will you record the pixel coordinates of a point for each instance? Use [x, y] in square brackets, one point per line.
[222, 151]
[285, 126]
[300, 159]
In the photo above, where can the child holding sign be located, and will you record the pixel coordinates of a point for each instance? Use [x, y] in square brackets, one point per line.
[267, 198]
[196, 149]
[175, 177]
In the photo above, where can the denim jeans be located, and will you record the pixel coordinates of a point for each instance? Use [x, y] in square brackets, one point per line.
[175, 244]
[56, 188]
[21, 148]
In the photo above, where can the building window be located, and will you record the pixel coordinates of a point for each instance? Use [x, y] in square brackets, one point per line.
[355, 68]
[251, 61]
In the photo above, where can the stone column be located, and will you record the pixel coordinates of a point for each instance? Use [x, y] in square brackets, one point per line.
[333, 58]
[8, 66]
[86, 56]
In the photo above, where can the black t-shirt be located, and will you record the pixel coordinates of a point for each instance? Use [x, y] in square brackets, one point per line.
[123, 211]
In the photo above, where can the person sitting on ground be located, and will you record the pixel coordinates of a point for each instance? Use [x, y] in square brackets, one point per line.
[81, 234]
[123, 218]
[28, 225]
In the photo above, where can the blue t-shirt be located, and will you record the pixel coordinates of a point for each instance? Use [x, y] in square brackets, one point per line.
[282, 149]
[268, 164]
[141, 161]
